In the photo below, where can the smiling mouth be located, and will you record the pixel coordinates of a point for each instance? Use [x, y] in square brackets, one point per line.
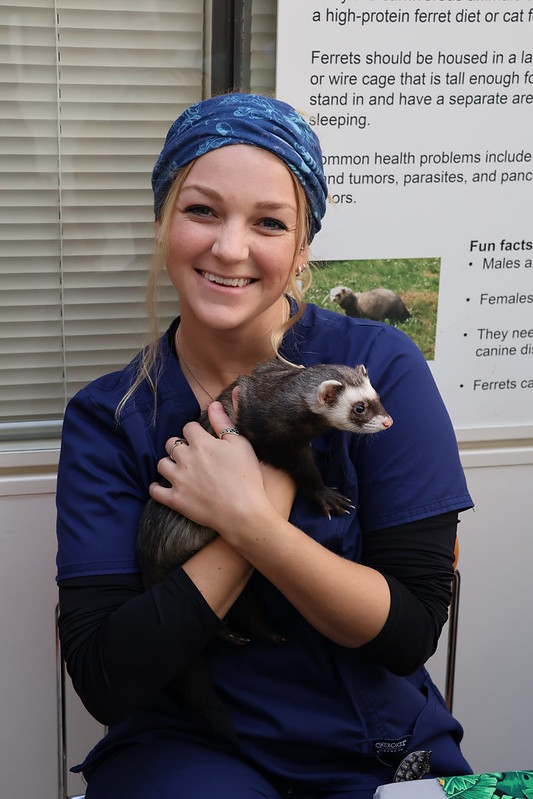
[234, 282]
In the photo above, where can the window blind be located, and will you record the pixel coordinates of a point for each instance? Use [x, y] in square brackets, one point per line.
[87, 90]
[263, 46]
[30, 286]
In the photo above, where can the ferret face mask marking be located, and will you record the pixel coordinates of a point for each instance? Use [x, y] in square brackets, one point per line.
[356, 409]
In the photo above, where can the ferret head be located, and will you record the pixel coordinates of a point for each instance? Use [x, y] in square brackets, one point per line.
[352, 405]
[338, 293]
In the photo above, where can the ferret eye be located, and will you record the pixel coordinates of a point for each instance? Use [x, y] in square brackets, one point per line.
[360, 407]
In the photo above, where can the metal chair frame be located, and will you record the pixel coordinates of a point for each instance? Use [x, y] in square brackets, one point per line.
[62, 772]
[453, 619]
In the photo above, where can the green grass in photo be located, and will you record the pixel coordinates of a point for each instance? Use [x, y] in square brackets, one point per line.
[416, 280]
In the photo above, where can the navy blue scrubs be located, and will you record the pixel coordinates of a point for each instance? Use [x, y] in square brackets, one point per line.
[310, 716]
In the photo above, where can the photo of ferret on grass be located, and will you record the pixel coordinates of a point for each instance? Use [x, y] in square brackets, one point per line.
[379, 304]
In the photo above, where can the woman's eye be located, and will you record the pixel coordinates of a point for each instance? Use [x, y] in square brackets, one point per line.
[197, 210]
[273, 224]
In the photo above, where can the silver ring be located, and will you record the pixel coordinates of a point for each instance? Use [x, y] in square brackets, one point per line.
[176, 443]
[232, 430]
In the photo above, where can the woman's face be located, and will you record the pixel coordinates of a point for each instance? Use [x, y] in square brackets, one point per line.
[232, 240]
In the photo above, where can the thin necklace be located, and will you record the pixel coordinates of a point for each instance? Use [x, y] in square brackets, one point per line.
[184, 362]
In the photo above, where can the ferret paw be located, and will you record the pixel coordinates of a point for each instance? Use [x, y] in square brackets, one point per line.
[331, 501]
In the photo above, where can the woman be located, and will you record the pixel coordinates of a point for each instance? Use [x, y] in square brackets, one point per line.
[360, 599]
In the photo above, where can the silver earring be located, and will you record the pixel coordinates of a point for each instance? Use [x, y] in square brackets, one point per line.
[300, 268]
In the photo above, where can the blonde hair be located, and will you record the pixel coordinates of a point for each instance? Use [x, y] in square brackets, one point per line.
[150, 362]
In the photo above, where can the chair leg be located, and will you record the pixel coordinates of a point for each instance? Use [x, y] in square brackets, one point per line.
[452, 640]
[61, 717]
[61, 682]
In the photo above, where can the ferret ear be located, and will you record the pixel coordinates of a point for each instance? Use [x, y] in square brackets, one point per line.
[363, 370]
[328, 392]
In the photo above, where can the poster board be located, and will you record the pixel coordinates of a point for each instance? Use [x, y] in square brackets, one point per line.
[424, 109]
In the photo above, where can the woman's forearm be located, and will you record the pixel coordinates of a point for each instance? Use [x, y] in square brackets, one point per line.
[220, 484]
[122, 644]
[346, 601]
[219, 573]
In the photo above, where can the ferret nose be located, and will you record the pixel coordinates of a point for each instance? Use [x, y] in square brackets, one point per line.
[231, 243]
[387, 422]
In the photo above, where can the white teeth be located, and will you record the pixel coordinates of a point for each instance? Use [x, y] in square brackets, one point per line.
[237, 282]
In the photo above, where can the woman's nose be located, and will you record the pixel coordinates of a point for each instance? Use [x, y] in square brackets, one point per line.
[231, 243]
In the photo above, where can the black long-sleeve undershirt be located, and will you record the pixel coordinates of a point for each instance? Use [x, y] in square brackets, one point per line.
[417, 560]
[121, 644]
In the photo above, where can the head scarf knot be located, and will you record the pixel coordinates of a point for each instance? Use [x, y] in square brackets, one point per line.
[245, 119]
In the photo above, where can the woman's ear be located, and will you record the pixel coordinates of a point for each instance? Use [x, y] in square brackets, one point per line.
[301, 261]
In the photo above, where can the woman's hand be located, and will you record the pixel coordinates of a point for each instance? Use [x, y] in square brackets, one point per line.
[218, 482]
[212, 482]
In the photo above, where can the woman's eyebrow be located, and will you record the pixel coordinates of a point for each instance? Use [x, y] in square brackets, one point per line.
[267, 205]
[202, 189]
[275, 206]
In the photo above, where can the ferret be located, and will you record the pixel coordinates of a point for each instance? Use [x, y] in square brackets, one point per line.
[377, 304]
[281, 408]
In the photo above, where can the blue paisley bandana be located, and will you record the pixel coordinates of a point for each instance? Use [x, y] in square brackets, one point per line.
[244, 119]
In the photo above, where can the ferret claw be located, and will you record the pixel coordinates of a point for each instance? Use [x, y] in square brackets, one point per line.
[334, 502]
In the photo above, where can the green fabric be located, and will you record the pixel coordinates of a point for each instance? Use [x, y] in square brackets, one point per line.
[495, 785]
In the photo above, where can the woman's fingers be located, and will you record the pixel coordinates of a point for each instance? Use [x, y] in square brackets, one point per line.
[171, 445]
[207, 475]
[220, 421]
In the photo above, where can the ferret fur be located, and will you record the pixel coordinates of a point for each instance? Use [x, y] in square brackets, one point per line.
[281, 409]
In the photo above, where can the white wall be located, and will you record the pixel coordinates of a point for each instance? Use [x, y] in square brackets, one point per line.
[493, 685]
[28, 597]
[494, 678]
